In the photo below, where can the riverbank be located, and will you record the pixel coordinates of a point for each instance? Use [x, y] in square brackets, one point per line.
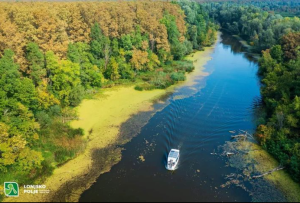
[281, 179]
[101, 119]
[252, 160]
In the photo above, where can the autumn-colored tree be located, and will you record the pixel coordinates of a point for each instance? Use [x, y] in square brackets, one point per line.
[264, 133]
[139, 59]
[77, 28]
[291, 45]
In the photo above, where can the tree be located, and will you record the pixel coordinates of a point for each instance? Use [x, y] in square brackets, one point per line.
[65, 78]
[114, 69]
[29, 159]
[90, 74]
[45, 98]
[25, 93]
[98, 42]
[9, 72]
[172, 29]
[115, 47]
[153, 61]
[290, 44]
[126, 43]
[36, 62]
[137, 38]
[10, 147]
[193, 34]
[277, 53]
[73, 54]
[178, 51]
[139, 59]
[51, 66]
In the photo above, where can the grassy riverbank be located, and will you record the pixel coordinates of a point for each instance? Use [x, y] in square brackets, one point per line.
[101, 119]
[251, 160]
[281, 179]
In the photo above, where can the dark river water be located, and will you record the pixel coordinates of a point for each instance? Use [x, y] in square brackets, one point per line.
[196, 124]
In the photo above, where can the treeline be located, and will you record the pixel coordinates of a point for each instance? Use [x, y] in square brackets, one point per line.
[52, 55]
[286, 8]
[260, 28]
[280, 132]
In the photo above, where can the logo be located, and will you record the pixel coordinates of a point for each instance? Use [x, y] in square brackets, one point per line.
[36, 189]
[11, 189]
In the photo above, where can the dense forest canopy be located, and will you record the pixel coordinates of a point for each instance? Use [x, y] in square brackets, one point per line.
[286, 8]
[52, 55]
[260, 28]
[279, 132]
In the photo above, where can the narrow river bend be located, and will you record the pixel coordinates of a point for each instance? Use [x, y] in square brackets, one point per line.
[196, 124]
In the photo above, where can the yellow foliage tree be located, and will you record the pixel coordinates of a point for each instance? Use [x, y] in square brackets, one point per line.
[46, 99]
[139, 59]
[29, 159]
[10, 147]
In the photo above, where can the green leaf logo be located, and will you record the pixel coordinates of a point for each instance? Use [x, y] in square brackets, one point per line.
[11, 189]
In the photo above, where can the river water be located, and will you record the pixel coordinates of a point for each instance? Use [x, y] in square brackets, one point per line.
[197, 124]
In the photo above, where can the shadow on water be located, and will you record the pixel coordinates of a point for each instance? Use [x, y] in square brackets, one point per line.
[196, 124]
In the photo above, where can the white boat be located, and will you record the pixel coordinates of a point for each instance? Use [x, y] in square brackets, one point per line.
[173, 160]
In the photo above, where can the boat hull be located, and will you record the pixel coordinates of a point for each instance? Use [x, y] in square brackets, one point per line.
[173, 160]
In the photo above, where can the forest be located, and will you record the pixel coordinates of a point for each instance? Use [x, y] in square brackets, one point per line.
[261, 29]
[279, 132]
[286, 8]
[53, 55]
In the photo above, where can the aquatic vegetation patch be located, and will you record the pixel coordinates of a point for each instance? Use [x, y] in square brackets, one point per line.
[252, 160]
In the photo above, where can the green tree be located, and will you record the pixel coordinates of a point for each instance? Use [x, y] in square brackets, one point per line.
[115, 47]
[65, 78]
[98, 42]
[173, 33]
[36, 62]
[277, 53]
[90, 74]
[126, 42]
[73, 53]
[114, 69]
[52, 66]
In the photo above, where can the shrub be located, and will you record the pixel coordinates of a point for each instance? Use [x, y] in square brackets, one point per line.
[178, 76]
[138, 88]
[145, 86]
[162, 80]
[146, 76]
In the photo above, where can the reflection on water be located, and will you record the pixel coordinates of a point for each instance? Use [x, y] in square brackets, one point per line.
[196, 125]
[236, 47]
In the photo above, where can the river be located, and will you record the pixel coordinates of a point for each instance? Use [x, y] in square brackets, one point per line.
[197, 120]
